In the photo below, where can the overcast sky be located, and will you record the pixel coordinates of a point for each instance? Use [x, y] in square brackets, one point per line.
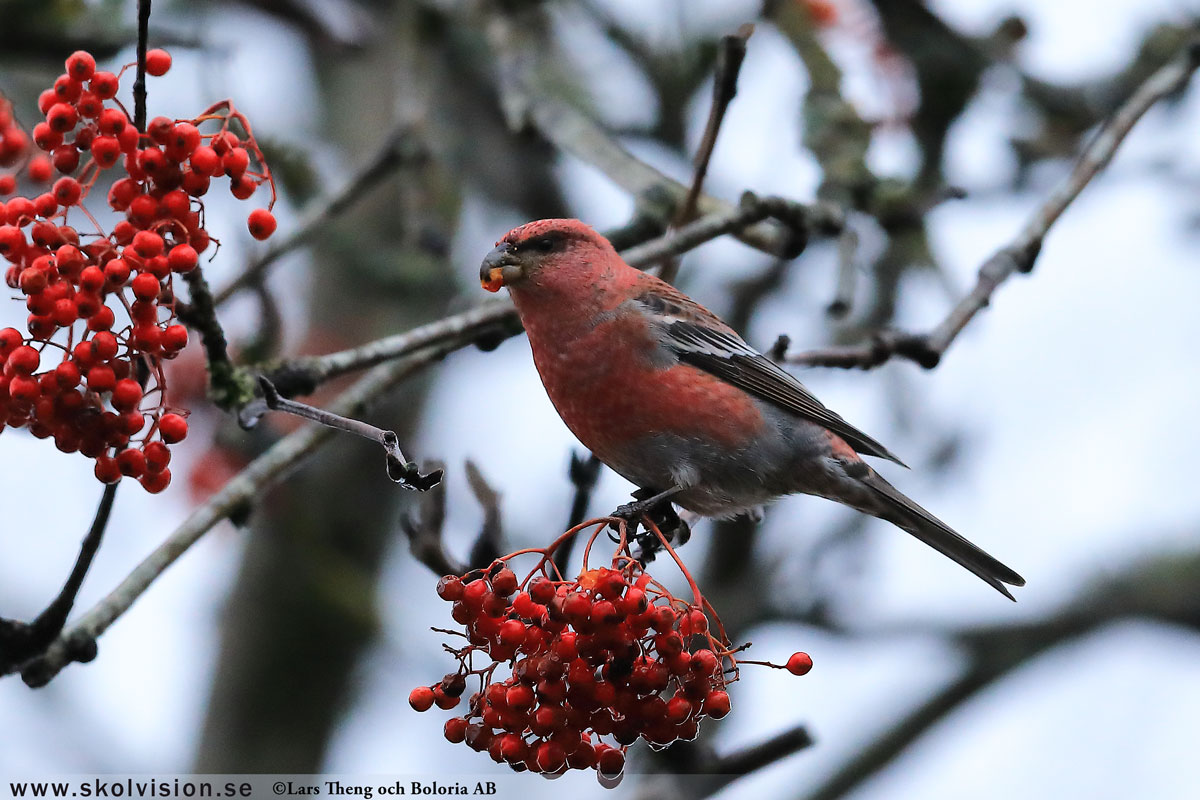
[1075, 394]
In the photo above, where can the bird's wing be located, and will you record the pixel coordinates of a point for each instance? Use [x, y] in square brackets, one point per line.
[702, 340]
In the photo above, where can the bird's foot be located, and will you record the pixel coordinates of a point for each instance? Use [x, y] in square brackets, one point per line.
[655, 507]
[646, 501]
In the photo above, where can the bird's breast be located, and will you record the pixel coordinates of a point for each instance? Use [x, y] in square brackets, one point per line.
[615, 385]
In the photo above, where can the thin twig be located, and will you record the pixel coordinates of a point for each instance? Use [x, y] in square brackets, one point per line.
[754, 757]
[20, 642]
[399, 468]
[583, 472]
[487, 547]
[517, 46]
[424, 531]
[1020, 254]
[139, 82]
[730, 54]
[402, 148]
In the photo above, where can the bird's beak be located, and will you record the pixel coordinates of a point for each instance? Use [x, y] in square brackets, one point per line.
[500, 268]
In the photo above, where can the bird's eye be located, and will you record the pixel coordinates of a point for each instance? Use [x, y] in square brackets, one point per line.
[543, 245]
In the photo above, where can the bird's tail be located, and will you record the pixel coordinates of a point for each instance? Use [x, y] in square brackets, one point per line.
[897, 509]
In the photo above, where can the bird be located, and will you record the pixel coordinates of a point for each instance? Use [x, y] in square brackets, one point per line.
[675, 401]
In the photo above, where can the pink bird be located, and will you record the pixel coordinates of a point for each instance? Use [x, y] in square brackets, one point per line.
[671, 398]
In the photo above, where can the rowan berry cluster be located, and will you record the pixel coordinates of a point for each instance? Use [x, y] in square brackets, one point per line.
[88, 373]
[596, 663]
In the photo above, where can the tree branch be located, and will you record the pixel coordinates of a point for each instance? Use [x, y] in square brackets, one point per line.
[730, 54]
[20, 642]
[139, 81]
[1018, 255]
[517, 46]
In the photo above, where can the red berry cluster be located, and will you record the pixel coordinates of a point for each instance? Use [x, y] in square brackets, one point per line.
[105, 300]
[596, 663]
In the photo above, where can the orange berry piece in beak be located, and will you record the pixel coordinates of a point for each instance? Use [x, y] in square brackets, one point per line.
[495, 279]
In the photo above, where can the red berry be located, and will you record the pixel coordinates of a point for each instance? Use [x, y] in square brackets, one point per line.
[155, 482]
[145, 286]
[158, 456]
[23, 389]
[158, 61]
[106, 470]
[104, 345]
[111, 121]
[205, 160]
[126, 394]
[147, 244]
[22, 361]
[421, 698]
[716, 704]
[67, 375]
[455, 729]
[62, 117]
[89, 105]
[105, 151]
[172, 428]
[101, 378]
[550, 756]
[242, 188]
[182, 258]
[131, 463]
[67, 191]
[81, 65]
[504, 582]
[450, 587]
[799, 664]
[46, 137]
[261, 223]
[512, 633]
[174, 338]
[104, 84]
[541, 590]
[40, 170]
[65, 158]
[611, 762]
[520, 697]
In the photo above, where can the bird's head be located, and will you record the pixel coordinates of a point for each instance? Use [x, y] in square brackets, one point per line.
[544, 252]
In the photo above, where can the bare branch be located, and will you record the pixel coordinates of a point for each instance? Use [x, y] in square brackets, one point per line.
[868, 761]
[424, 532]
[139, 81]
[732, 766]
[583, 472]
[487, 545]
[20, 642]
[730, 54]
[516, 47]
[399, 468]
[1021, 252]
